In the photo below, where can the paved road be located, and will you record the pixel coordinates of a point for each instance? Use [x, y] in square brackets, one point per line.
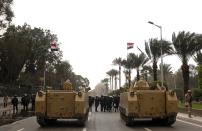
[100, 122]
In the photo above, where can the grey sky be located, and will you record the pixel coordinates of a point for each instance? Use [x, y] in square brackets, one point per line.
[94, 32]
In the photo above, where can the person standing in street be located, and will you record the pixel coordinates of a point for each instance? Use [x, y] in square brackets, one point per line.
[97, 101]
[188, 102]
[5, 101]
[14, 102]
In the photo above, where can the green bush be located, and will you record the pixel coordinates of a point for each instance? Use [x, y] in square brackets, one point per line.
[179, 93]
[197, 94]
[200, 76]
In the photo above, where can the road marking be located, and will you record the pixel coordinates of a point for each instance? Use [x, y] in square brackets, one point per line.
[84, 129]
[21, 129]
[193, 124]
[147, 129]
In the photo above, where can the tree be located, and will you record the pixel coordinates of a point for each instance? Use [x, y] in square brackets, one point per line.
[167, 71]
[106, 82]
[110, 78]
[114, 75]
[128, 65]
[185, 45]
[198, 60]
[15, 48]
[138, 61]
[153, 51]
[6, 13]
[119, 62]
[146, 70]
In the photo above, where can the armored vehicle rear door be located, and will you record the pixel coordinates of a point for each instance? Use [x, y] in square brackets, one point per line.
[151, 103]
[61, 104]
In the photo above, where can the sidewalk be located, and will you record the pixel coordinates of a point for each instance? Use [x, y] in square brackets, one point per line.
[185, 116]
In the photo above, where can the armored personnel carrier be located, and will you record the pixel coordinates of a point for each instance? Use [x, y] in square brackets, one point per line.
[141, 101]
[51, 105]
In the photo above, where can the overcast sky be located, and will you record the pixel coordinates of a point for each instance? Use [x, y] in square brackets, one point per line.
[94, 32]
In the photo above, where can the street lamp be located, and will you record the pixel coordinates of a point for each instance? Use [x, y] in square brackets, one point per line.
[160, 27]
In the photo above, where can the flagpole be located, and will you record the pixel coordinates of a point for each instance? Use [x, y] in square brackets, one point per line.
[129, 46]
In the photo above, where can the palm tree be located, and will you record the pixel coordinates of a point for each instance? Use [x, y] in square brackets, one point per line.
[110, 78]
[198, 60]
[185, 45]
[138, 61]
[119, 62]
[126, 72]
[114, 74]
[105, 81]
[146, 70]
[167, 71]
[153, 51]
[128, 64]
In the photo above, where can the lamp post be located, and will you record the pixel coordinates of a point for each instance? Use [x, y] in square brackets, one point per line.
[160, 27]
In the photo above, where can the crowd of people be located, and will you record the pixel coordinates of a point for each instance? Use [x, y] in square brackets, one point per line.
[25, 101]
[106, 103]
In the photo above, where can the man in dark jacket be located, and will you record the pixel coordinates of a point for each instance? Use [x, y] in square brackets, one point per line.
[14, 102]
[97, 102]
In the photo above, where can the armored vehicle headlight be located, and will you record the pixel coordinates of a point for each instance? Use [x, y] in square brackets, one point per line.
[79, 94]
[132, 94]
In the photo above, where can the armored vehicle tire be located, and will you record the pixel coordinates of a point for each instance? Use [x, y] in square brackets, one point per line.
[82, 123]
[50, 121]
[41, 121]
[45, 122]
[169, 120]
[129, 121]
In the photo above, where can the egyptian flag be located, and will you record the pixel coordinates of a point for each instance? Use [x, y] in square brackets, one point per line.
[130, 45]
[53, 45]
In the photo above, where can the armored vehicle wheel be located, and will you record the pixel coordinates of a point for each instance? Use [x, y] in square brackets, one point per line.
[82, 123]
[129, 121]
[157, 120]
[169, 120]
[50, 121]
[41, 121]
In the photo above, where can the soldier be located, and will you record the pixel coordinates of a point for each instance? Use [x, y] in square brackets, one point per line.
[67, 85]
[116, 103]
[14, 102]
[33, 102]
[102, 101]
[91, 101]
[5, 101]
[25, 102]
[188, 102]
[97, 101]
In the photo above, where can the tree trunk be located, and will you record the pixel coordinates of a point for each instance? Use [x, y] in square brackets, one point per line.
[185, 74]
[119, 76]
[155, 70]
[138, 74]
[200, 76]
[112, 81]
[146, 75]
[115, 79]
[129, 80]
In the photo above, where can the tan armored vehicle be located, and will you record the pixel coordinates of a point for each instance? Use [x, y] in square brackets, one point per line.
[51, 105]
[143, 102]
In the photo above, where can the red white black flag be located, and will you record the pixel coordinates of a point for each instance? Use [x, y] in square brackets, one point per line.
[130, 45]
[53, 45]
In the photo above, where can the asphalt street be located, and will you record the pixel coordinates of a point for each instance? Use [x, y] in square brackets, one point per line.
[101, 121]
